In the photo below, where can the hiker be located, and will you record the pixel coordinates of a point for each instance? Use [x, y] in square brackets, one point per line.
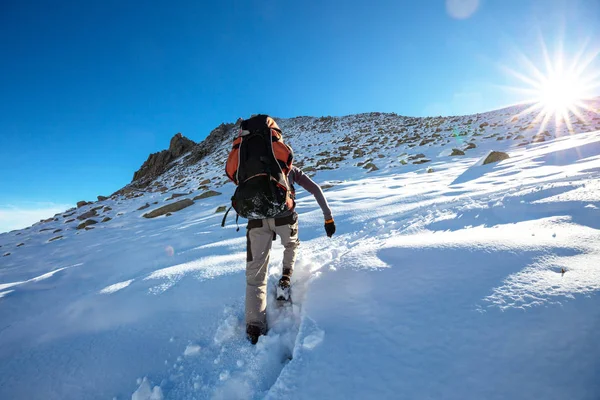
[261, 165]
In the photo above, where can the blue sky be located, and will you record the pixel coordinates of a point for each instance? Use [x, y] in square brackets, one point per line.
[91, 88]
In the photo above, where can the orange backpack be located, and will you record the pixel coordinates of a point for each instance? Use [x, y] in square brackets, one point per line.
[259, 164]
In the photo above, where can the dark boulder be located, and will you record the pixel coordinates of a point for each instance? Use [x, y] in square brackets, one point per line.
[495, 156]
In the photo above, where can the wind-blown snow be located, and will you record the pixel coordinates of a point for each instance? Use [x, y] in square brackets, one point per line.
[468, 282]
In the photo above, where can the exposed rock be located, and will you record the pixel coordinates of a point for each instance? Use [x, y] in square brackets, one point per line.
[87, 223]
[430, 170]
[57, 230]
[421, 161]
[538, 139]
[82, 203]
[212, 143]
[207, 194]
[370, 167]
[102, 198]
[470, 146]
[416, 156]
[45, 221]
[6, 255]
[221, 209]
[158, 163]
[326, 186]
[147, 205]
[89, 228]
[205, 182]
[55, 238]
[179, 205]
[168, 214]
[21, 244]
[86, 215]
[45, 229]
[495, 156]
[69, 221]
[457, 152]
[176, 195]
[106, 219]
[69, 214]
[107, 208]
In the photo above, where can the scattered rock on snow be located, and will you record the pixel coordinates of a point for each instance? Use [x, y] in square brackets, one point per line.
[21, 244]
[147, 205]
[102, 198]
[421, 161]
[470, 146]
[87, 223]
[55, 238]
[176, 195]
[69, 221]
[221, 209]
[495, 156]
[207, 194]
[457, 152]
[370, 167]
[179, 205]
[86, 215]
[82, 203]
[106, 219]
[6, 255]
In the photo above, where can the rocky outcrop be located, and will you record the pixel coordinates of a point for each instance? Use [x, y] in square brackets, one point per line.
[158, 163]
[495, 156]
[102, 198]
[457, 152]
[169, 208]
[212, 142]
[82, 203]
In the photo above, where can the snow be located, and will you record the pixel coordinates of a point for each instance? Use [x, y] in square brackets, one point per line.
[447, 284]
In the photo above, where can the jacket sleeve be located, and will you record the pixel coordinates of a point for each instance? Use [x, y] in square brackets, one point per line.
[313, 189]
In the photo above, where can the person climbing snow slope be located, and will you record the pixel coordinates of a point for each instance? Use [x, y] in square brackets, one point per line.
[260, 164]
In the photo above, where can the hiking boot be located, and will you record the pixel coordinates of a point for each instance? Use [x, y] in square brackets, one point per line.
[284, 282]
[253, 332]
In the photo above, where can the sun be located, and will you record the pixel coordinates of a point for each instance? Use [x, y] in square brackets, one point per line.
[557, 90]
[559, 94]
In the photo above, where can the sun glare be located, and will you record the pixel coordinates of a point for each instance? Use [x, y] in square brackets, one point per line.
[558, 91]
[561, 93]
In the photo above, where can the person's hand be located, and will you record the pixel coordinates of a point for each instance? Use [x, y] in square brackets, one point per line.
[330, 227]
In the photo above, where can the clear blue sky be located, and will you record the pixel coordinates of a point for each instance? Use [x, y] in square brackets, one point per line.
[90, 88]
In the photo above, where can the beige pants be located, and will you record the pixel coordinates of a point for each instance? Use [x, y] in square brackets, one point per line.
[259, 236]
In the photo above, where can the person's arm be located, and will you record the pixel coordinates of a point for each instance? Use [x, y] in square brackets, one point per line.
[313, 189]
[316, 191]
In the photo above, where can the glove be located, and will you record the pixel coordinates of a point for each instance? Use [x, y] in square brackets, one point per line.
[330, 227]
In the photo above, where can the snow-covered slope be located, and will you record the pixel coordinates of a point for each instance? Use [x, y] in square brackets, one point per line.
[445, 278]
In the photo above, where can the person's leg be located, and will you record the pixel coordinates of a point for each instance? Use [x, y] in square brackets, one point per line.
[287, 229]
[259, 237]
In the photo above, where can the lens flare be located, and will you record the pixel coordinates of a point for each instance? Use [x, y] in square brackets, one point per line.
[560, 91]
[170, 251]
